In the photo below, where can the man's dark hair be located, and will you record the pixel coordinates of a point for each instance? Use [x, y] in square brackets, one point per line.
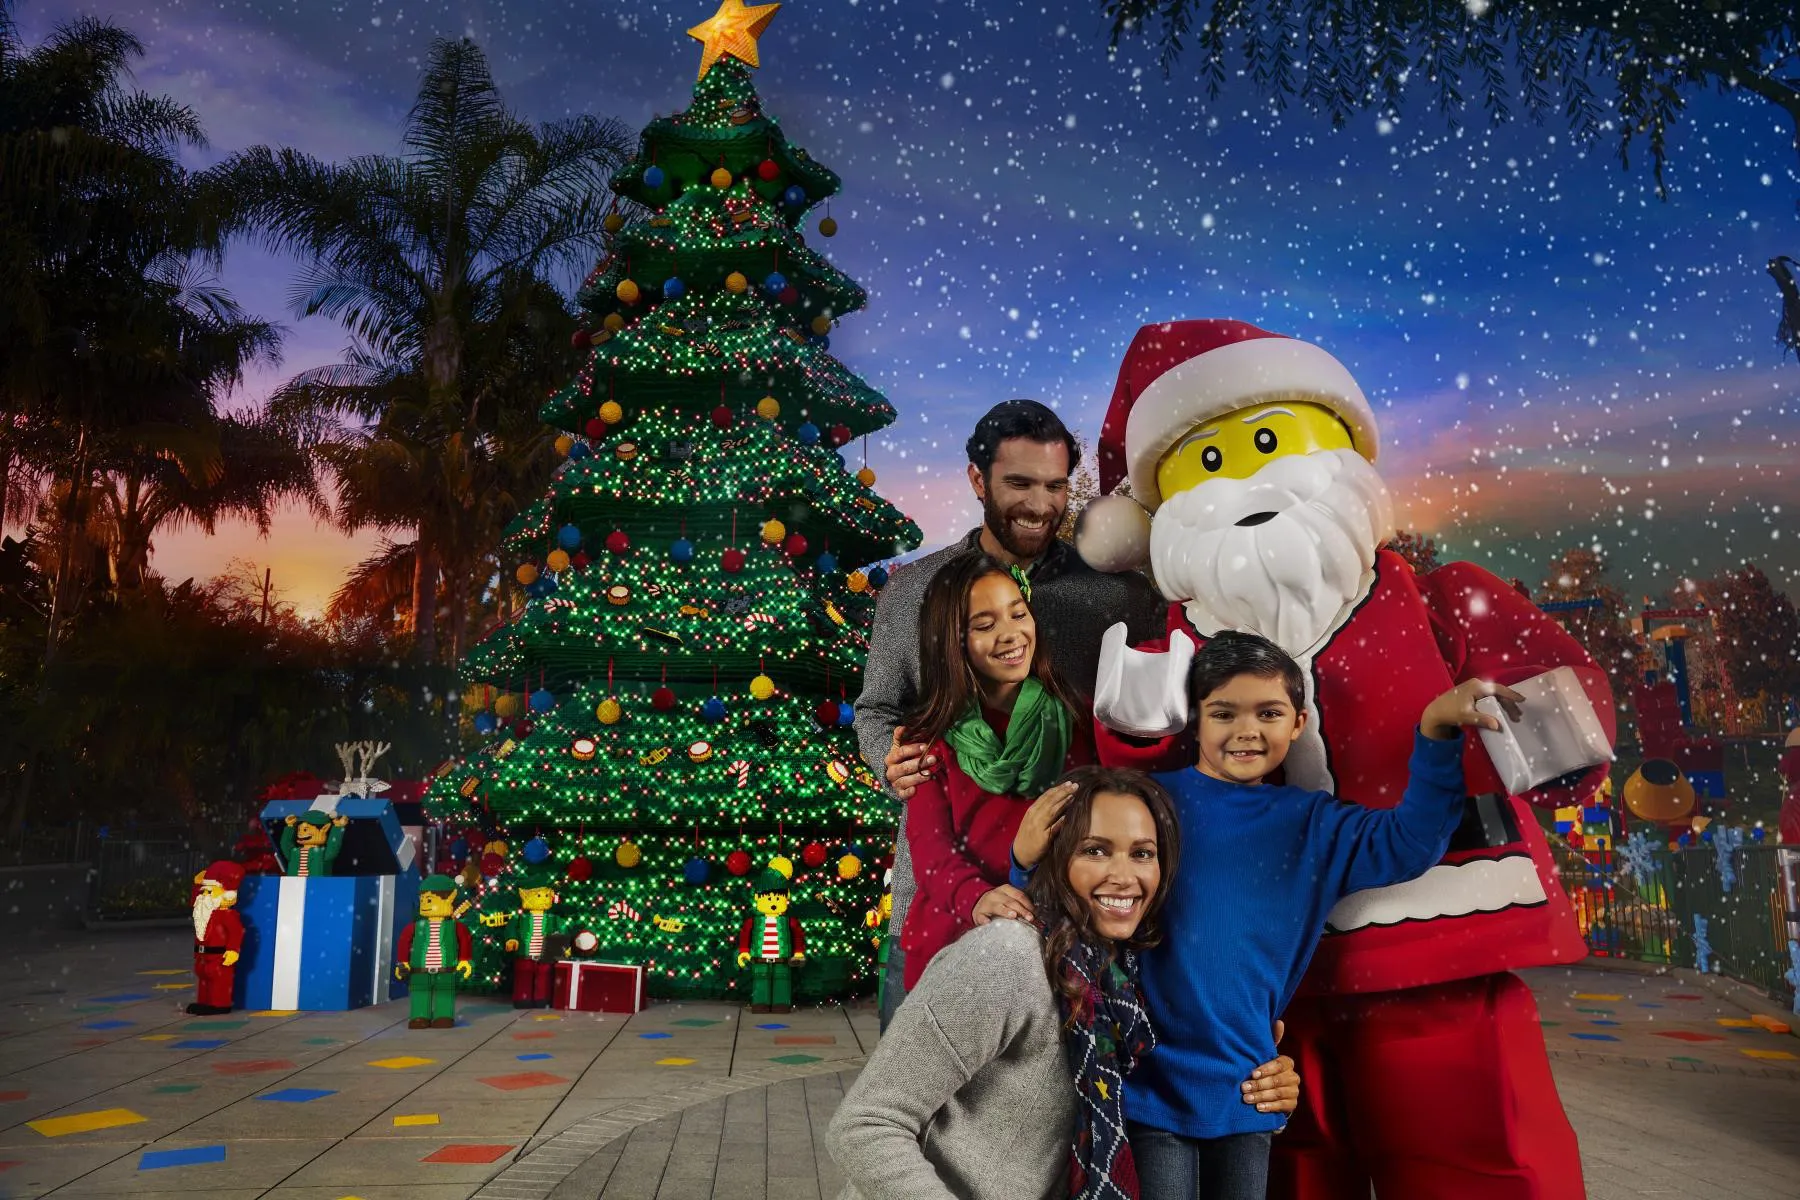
[1017, 419]
[1228, 655]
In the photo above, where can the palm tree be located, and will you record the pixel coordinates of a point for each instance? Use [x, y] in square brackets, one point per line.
[439, 262]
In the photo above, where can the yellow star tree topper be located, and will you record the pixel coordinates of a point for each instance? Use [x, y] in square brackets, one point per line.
[732, 30]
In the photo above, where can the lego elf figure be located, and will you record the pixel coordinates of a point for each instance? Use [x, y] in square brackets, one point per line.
[310, 844]
[218, 938]
[768, 942]
[424, 955]
[877, 919]
[529, 939]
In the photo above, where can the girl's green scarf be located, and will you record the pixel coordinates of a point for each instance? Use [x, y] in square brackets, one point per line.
[1037, 742]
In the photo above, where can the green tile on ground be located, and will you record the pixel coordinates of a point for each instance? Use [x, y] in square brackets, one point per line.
[175, 1089]
[694, 1022]
[794, 1060]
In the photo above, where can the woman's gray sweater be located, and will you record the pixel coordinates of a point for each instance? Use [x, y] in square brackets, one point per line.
[969, 1095]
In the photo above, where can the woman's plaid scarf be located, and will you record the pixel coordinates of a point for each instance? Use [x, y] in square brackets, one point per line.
[1107, 1032]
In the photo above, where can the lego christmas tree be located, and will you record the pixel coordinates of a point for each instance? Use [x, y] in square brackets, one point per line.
[668, 713]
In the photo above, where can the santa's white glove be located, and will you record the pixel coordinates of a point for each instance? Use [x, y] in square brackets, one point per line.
[1139, 692]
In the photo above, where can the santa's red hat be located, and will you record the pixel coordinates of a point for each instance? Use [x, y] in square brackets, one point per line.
[227, 875]
[1182, 374]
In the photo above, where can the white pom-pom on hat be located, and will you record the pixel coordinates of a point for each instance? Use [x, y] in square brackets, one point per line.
[1113, 534]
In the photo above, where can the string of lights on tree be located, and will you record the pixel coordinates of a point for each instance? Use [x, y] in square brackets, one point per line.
[668, 710]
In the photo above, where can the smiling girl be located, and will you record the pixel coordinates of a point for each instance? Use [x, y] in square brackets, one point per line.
[995, 714]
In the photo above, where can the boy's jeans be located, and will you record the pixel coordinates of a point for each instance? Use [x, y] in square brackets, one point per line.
[1172, 1167]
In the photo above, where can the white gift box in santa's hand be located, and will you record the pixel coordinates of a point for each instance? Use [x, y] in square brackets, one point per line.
[1558, 732]
[1143, 693]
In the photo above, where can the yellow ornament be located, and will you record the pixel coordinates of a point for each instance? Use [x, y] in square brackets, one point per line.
[614, 222]
[526, 574]
[564, 444]
[496, 847]
[762, 687]
[828, 227]
[821, 325]
[628, 855]
[627, 292]
[768, 408]
[609, 711]
[857, 582]
[721, 178]
[733, 31]
[612, 412]
[773, 532]
[507, 707]
[783, 867]
[735, 282]
[557, 560]
[866, 477]
[849, 867]
[614, 322]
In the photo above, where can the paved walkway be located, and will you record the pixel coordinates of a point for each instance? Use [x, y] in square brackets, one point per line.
[108, 1089]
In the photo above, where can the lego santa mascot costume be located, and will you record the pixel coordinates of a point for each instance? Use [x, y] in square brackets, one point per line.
[1255, 453]
[218, 938]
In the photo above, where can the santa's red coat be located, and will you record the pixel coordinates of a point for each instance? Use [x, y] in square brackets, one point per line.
[1410, 639]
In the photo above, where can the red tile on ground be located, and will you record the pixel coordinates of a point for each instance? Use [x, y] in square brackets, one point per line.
[532, 1037]
[85, 1042]
[1682, 1035]
[254, 1066]
[805, 1039]
[524, 1079]
[11, 1163]
[9, 1097]
[1682, 996]
[468, 1154]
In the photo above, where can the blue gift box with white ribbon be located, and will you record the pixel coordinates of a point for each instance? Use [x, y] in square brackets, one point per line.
[326, 942]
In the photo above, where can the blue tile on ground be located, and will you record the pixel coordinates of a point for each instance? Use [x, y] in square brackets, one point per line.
[532, 1057]
[653, 1036]
[773, 1026]
[1594, 1037]
[128, 998]
[156, 1160]
[199, 1044]
[1602, 1022]
[1647, 1004]
[298, 1095]
[115, 1024]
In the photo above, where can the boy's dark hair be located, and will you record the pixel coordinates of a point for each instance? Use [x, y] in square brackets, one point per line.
[1017, 419]
[1228, 655]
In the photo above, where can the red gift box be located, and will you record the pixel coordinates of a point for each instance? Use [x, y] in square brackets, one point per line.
[598, 987]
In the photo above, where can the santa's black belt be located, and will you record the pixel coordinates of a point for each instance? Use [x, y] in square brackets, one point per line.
[1487, 824]
[211, 949]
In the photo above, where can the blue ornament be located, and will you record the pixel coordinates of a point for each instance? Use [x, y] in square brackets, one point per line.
[459, 849]
[486, 722]
[673, 287]
[774, 283]
[569, 536]
[821, 341]
[827, 562]
[846, 713]
[682, 551]
[542, 700]
[808, 434]
[546, 585]
[713, 710]
[1684, 840]
[878, 576]
[1757, 834]
[653, 177]
[795, 196]
[578, 451]
[695, 871]
[1706, 836]
[536, 850]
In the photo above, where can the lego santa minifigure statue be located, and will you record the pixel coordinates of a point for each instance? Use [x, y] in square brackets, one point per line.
[218, 937]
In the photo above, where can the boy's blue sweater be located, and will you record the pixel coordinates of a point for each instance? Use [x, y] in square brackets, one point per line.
[1261, 867]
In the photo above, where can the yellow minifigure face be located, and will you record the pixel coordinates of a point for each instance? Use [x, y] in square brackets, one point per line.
[536, 899]
[772, 904]
[434, 906]
[223, 898]
[1238, 444]
[310, 835]
[887, 905]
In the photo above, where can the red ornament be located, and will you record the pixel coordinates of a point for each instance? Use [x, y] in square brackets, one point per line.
[768, 170]
[617, 542]
[737, 862]
[733, 561]
[492, 865]
[580, 869]
[788, 294]
[522, 728]
[594, 428]
[579, 338]
[721, 416]
[840, 435]
[826, 714]
[795, 545]
[579, 559]
[662, 699]
[813, 855]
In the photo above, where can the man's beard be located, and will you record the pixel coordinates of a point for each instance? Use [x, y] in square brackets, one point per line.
[205, 904]
[1017, 542]
[1288, 577]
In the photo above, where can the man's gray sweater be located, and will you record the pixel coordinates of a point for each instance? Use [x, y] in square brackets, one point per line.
[1073, 604]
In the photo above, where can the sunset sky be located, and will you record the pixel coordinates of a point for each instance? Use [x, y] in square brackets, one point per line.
[1557, 356]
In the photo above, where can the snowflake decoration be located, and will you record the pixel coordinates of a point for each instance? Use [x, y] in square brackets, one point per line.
[1637, 857]
[1725, 842]
[1793, 972]
[1702, 947]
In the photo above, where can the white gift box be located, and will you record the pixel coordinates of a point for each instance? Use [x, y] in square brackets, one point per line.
[1558, 732]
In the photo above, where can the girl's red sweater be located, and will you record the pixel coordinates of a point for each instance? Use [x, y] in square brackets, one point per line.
[961, 843]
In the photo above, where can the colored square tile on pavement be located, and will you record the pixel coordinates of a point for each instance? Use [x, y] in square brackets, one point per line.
[127, 998]
[200, 1044]
[402, 1062]
[463, 1153]
[253, 1067]
[1735, 1023]
[1598, 996]
[1687, 1035]
[675, 1062]
[115, 1023]
[1775, 1055]
[321, 1041]
[533, 1057]
[156, 1160]
[84, 1043]
[522, 1080]
[1594, 1037]
[175, 987]
[1770, 1024]
[276, 1012]
[157, 1037]
[547, 1017]
[649, 1037]
[794, 1060]
[533, 1036]
[694, 1022]
[9, 1097]
[106, 1118]
[213, 1026]
[299, 1095]
[775, 1025]
[416, 1119]
[175, 1089]
[805, 1039]
[1681, 996]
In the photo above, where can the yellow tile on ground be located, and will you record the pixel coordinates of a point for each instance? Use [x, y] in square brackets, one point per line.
[547, 1017]
[1776, 1055]
[106, 1118]
[170, 987]
[157, 1037]
[1771, 1024]
[275, 1012]
[674, 1062]
[403, 1062]
[1597, 996]
[1736, 1023]
[417, 1119]
[166, 971]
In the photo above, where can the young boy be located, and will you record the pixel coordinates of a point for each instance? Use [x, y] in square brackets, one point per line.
[1262, 864]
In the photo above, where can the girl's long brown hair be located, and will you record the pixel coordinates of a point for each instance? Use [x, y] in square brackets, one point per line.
[1065, 915]
[947, 683]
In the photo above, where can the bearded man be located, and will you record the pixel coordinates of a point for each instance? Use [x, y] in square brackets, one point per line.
[1256, 453]
[218, 937]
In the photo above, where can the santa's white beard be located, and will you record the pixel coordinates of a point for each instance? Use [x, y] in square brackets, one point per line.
[205, 904]
[1289, 577]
